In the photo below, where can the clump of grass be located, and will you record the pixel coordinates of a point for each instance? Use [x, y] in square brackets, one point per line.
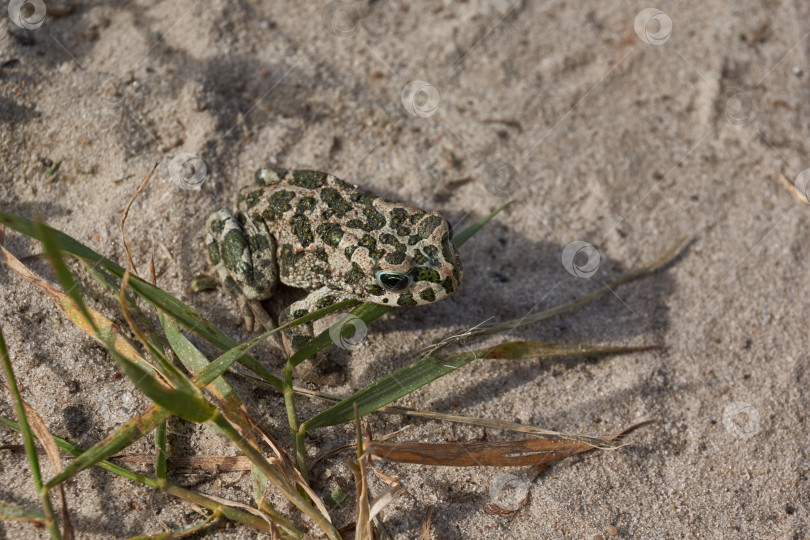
[196, 392]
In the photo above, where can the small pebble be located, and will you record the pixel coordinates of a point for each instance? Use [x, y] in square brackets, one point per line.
[612, 530]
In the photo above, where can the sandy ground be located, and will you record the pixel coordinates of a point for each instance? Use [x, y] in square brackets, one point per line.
[608, 124]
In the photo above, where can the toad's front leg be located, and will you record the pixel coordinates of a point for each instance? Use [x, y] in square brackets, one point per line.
[318, 369]
[243, 254]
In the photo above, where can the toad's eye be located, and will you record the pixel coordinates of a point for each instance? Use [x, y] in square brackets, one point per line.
[394, 281]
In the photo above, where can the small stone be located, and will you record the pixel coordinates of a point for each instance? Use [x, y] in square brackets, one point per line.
[611, 530]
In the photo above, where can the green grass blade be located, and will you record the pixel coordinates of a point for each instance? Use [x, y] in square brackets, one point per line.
[160, 454]
[71, 448]
[14, 512]
[125, 435]
[468, 233]
[154, 345]
[63, 273]
[189, 405]
[388, 389]
[426, 370]
[180, 311]
[28, 440]
[182, 533]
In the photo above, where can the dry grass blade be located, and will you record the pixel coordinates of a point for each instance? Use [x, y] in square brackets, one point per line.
[67, 306]
[539, 453]
[486, 454]
[214, 464]
[427, 523]
[52, 451]
[797, 194]
[287, 467]
[363, 530]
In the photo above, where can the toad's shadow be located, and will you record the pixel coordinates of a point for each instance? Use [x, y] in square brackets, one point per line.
[508, 277]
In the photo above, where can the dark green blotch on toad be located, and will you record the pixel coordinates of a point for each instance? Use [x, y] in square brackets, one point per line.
[288, 259]
[395, 257]
[374, 218]
[321, 255]
[308, 179]
[447, 251]
[392, 240]
[429, 225]
[325, 301]
[406, 300]
[374, 289]
[277, 204]
[298, 313]
[336, 204]
[306, 204]
[217, 226]
[252, 198]
[399, 216]
[259, 244]
[423, 273]
[330, 233]
[233, 247]
[231, 285]
[302, 230]
[428, 295]
[448, 285]
[354, 275]
[213, 253]
[370, 244]
[431, 254]
[349, 251]
[398, 255]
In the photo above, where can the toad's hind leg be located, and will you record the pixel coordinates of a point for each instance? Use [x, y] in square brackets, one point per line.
[243, 254]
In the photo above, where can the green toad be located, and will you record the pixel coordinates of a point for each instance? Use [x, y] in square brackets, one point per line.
[310, 230]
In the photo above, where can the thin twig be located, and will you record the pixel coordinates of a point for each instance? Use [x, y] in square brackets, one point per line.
[124, 219]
